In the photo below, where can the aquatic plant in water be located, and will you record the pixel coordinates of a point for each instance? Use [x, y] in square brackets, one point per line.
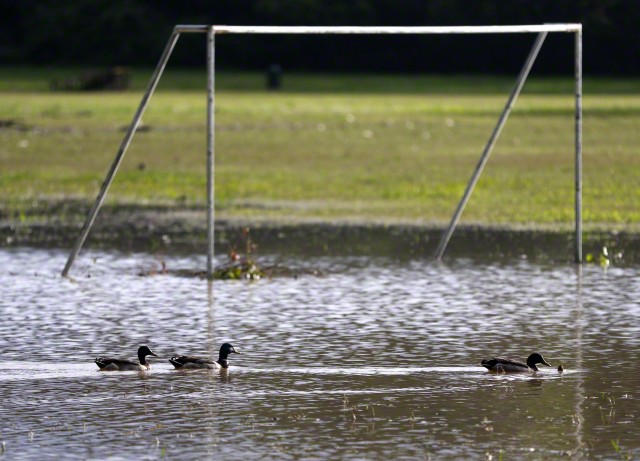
[240, 266]
[603, 258]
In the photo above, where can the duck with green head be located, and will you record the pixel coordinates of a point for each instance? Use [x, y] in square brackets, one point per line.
[501, 365]
[186, 362]
[111, 364]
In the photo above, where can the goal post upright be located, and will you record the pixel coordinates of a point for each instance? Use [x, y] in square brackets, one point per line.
[578, 145]
[212, 30]
[211, 123]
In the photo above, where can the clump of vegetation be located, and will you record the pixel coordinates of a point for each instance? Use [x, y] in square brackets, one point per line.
[240, 266]
[159, 267]
[623, 455]
[604, 257]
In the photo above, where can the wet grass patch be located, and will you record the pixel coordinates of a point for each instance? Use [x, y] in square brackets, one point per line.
[394, 149]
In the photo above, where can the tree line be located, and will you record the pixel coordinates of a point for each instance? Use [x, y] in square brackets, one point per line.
[133, 33]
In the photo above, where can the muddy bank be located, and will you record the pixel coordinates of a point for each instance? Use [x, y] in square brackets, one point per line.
[167, 229]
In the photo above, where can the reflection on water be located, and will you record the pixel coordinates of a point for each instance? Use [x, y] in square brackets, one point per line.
[374, 359]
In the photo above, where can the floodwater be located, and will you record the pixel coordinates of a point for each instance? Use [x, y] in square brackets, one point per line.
[374, 358]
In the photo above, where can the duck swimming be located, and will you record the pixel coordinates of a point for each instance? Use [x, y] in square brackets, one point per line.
[185, 362]
[511, 366]
[110, 364]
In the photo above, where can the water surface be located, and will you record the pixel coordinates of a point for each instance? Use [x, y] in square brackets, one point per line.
[375, 358]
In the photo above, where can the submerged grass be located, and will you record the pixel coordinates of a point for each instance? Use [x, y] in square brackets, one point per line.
[351, 147]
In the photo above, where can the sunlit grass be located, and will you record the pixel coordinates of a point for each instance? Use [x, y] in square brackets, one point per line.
[331, 154]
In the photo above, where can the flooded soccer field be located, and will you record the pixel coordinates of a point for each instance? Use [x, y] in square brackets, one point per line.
[358, 358]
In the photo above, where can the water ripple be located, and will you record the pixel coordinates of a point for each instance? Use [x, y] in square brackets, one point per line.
[374, 358]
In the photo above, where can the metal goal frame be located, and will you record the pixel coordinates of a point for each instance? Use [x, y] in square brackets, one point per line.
[212, 30]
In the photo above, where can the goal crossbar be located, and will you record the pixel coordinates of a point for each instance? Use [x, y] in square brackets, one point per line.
[535, 28]
[213, 30]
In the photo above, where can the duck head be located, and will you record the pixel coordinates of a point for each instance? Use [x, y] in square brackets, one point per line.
[227, 349]
[143, 351]
[534, 359]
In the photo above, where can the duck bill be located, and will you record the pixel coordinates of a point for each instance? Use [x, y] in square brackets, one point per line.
[544, 362]
[234, 351]
[153, 353]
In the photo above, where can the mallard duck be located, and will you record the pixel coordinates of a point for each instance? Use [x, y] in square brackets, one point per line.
[109, 364]
[512, 366]
[185, 362]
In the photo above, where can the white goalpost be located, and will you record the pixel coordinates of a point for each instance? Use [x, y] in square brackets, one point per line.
[212, 30]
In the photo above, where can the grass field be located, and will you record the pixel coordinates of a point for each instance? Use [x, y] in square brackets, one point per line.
[383, 148]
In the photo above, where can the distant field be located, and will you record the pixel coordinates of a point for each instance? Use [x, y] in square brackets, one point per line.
[37, 79]
[391, 148]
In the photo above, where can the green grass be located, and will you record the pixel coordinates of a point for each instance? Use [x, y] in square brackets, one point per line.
[330, 147]
[37, 79]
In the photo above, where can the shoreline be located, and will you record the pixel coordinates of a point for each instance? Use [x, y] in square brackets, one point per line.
[169, 229]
